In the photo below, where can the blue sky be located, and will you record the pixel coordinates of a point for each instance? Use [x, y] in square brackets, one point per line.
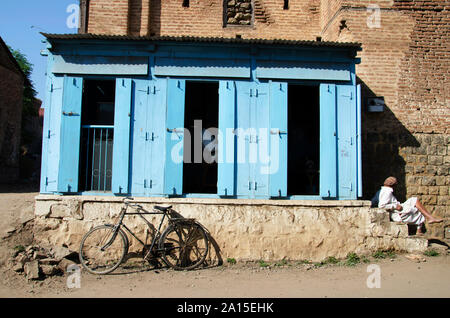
[16, 20]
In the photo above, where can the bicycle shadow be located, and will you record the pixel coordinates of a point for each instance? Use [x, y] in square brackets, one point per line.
[214, 257]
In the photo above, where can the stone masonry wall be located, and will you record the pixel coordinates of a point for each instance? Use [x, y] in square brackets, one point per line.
[240, 229]
[239, 12]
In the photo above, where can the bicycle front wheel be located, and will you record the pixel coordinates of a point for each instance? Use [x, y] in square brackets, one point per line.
[184, 245]
[102, 249]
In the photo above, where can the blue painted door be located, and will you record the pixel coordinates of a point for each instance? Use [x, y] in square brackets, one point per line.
[260, 143]
[346, 119]
[148, 137]
[278, 134]
[174, 136]
[252, 131]
[227, 141]
[121, 148]
[156, 136]
[51, 135]
[70, 135]
[243, 132]
[328, 141]
[139, 137]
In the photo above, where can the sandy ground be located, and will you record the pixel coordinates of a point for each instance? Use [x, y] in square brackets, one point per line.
[399, 276]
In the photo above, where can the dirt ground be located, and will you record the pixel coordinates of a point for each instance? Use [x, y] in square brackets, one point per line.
[399, 276]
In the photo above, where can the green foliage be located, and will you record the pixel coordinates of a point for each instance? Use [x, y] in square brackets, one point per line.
[263, 264]
[231, 261]
[382, 254]
[379, 254]
[283, 262]
[19, 248]
[352, 259]
[431, 252]
[331, 260]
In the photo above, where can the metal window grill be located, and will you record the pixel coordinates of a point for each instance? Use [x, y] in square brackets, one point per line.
[97, 148]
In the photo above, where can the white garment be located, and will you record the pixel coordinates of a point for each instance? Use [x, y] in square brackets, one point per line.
[409, 214]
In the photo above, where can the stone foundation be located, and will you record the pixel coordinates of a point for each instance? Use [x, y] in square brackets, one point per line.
[241, 229]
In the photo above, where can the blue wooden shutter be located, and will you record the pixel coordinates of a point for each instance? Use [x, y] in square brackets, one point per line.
[260, 121]
[359, 136]
[70, 135]
[244, 100]
[51, 135]
[156, 135]
[227, 117]
[278, 139]
[328, 141]
[121, 149]
[173, 178]
[346, 119]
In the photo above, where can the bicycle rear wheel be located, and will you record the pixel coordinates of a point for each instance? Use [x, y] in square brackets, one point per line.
[102, 249]
[184, 245]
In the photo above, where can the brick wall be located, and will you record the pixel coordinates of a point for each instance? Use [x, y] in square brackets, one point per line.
[203, 18]
[11, 88]
[108, 17]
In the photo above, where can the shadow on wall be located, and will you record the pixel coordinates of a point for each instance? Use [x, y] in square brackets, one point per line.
[383, 135]
[155, 17]
[135, 15]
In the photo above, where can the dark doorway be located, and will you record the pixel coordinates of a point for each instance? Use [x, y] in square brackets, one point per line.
[303, 140]
[97, 135]
[201, 119]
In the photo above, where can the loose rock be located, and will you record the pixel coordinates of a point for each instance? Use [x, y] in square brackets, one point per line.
[31, 270]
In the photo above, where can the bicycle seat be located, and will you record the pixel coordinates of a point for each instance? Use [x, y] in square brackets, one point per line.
[162, 208]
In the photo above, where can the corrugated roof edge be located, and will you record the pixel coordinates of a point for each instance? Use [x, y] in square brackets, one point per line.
[91, 36]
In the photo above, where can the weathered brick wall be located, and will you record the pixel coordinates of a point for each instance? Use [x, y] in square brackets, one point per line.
[108, 17]
[11, 88]
[203, 18]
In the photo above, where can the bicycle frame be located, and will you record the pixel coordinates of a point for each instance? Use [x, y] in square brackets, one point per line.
[120, 224]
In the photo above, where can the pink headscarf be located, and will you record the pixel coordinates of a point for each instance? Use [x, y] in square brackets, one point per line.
[389, 182]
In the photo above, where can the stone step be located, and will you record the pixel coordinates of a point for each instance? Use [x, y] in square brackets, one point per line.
[415, 244]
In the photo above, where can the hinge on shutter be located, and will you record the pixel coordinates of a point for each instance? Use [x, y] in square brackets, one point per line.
[48, 136]
[46, 181]
[350, 187]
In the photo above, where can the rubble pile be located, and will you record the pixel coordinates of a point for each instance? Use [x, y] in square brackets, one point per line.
[36, 262]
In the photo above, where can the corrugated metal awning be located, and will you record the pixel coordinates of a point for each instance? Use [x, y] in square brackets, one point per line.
[298, 43]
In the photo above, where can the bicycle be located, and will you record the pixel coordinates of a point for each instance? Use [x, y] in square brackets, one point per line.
[183, 245]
